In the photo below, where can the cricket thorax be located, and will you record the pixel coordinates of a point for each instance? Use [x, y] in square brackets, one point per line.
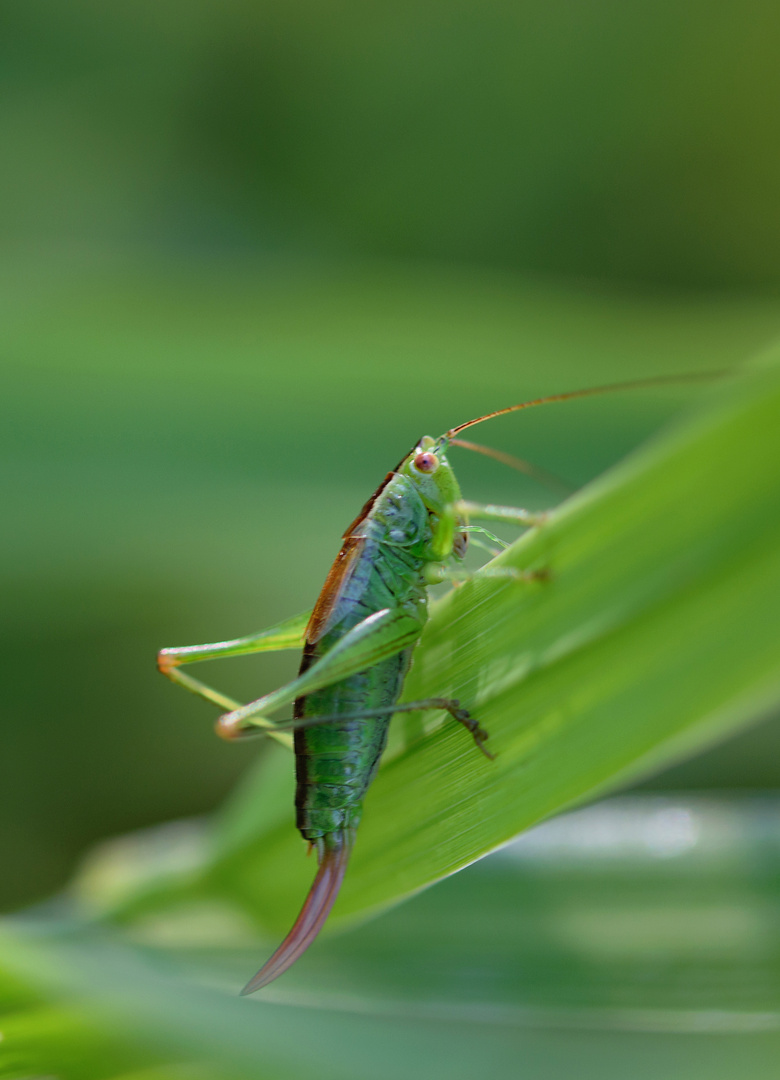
[399, 516]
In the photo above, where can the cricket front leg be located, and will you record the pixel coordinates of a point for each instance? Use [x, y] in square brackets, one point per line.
[455, 518]
[512, 515]
[437, 573]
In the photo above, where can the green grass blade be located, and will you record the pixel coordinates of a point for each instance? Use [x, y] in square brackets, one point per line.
[657, 632]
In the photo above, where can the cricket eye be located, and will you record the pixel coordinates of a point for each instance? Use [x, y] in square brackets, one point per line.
[426, 462]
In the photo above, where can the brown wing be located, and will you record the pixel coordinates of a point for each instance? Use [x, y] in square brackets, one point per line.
[335, 583]
[341, 570]
[353, 525]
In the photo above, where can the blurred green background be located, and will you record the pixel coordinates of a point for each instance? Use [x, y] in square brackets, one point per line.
[250, 252]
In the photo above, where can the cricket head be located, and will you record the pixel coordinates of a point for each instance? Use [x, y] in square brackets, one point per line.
[432, 475]
[430, 472]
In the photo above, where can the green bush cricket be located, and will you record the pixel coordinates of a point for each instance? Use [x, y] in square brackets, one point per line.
[358, 644]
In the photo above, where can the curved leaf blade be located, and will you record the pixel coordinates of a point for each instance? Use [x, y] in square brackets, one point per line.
[655, 634]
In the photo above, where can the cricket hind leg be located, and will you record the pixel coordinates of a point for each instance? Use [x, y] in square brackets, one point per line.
[285, 635]
[457, 712]
[378, 636]
[450, 705]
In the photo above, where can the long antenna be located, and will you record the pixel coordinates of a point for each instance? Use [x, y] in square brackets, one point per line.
[610, 388]
[543, 476]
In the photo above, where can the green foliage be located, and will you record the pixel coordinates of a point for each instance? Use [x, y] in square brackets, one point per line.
[636, 936]
[182, 449]
[653, 633]
[204, 373]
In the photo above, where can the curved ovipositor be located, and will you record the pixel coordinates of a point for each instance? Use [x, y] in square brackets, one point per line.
[333, 858]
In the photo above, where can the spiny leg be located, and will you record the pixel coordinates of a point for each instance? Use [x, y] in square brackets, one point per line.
[512, 515]
[455, 517]
[436, 573]
[450, 705]
[492, 551]
[376, 637]
[485, 532]
[285, 635]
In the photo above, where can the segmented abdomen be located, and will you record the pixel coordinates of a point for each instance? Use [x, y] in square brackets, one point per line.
[336, 762]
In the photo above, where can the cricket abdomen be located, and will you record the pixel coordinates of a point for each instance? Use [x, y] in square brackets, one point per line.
[336, 762]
